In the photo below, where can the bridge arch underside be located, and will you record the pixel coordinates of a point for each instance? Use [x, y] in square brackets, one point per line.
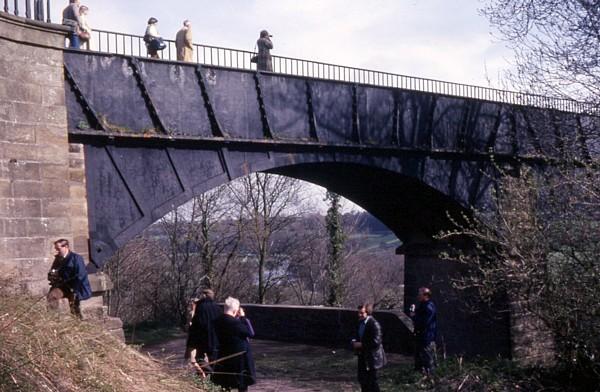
[130, 187]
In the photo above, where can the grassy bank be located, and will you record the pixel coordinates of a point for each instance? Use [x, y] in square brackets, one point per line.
[46, 351]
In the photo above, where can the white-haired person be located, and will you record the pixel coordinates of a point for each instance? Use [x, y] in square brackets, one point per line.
[233, 332]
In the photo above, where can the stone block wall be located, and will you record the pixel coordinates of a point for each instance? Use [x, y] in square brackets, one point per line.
[35, 187]
[42, 176]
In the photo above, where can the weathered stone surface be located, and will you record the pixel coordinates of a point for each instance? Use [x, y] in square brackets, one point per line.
[22, 208]
[21, 90]
[10, 132]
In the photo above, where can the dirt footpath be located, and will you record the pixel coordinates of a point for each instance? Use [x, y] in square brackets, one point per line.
[286, 367]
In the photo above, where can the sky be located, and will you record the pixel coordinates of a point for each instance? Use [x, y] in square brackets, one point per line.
[437, 39]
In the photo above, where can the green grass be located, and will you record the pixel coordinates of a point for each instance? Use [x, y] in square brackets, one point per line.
[149, 333]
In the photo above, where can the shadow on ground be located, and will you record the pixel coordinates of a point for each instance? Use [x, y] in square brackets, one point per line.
[291, 367]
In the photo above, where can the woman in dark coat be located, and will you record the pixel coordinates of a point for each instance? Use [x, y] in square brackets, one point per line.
[233, 332]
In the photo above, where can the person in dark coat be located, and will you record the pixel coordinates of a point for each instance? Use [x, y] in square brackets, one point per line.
[264, 44]
[68, 278]
[425, 329]
[233, 331]
[202, 343]
[369, 349]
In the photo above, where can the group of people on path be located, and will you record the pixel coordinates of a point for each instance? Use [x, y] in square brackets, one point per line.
[218, 343]
[369, 348]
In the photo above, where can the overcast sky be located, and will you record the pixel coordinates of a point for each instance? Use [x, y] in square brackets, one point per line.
[439, 39]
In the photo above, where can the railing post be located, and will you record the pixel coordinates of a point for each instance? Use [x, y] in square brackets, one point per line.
[6, 6]
[16, 10]
[47, 10]
[28, 9]
[38, 10]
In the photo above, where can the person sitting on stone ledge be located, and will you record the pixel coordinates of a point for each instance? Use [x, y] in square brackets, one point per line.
[68, 278]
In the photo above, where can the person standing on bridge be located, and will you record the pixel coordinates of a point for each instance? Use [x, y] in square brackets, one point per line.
[369, 349]
[183, 42]
[85, 30]
[68, 278]
[424, 318]
[153, 40]
[72, 20]
[264, 44]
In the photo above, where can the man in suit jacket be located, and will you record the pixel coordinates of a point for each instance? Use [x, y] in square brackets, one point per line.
[368, 347]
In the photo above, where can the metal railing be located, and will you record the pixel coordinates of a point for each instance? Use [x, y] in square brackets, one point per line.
[133, 45]
[31, 9]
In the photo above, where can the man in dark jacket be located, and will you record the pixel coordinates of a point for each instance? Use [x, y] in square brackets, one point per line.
[202, 343]
[68, 278]
[369, 349]
[425, 328]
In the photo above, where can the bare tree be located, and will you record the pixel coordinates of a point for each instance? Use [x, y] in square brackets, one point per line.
[556, 42]
[135, 275]
[540, 247]
[306, 276]
[269, 203]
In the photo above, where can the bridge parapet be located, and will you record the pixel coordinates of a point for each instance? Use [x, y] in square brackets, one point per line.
[125, 96]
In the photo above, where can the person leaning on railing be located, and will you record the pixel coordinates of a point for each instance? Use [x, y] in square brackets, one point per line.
[85, 31]
[71, 18]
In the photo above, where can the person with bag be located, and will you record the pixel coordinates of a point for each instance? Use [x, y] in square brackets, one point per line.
[72, 19]
[263, 59]
[153, 40]
[85, 31]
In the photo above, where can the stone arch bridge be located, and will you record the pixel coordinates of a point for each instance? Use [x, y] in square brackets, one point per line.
[101, 145]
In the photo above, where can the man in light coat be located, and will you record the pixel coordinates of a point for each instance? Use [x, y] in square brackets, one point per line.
[183, 42]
